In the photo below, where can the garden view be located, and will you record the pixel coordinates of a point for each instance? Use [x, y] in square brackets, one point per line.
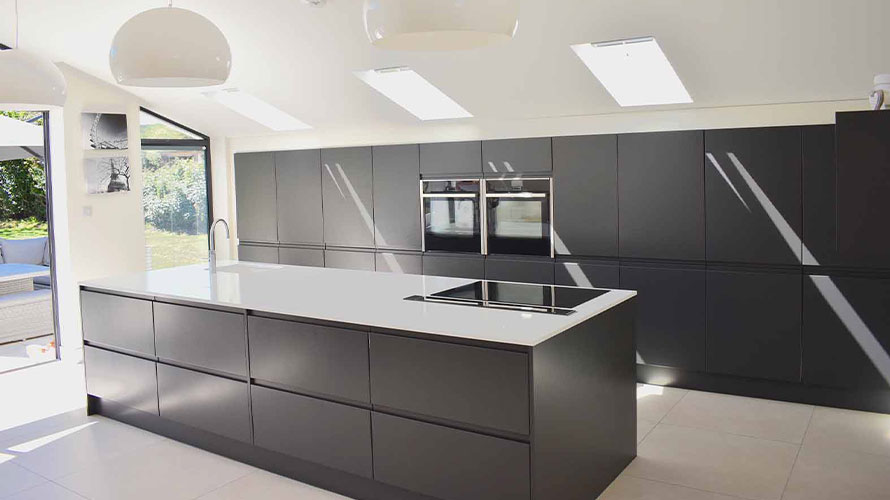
[22, 191]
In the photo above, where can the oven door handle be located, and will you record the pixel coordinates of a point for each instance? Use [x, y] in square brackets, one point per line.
[450, 195]
[516, 195]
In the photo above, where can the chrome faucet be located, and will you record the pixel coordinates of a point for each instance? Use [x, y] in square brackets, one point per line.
[213, 242]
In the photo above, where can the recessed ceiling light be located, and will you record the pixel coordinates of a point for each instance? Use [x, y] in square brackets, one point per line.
[636, 72]
[256, 109]
[411, 91]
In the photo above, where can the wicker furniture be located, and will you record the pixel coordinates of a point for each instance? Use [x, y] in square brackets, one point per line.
[24, 311]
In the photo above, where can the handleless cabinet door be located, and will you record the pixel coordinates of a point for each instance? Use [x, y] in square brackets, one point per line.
[594, 275]
[509, 157]
[313, 257]
[863, 188]
[214, 340]
[299, 197]
[349, 259]
[819, 196]
[118, 322]
[258, 253]
[330, 434]
[400, 263]
[585, 195]
[754, 324]
[455, 266]
[255, 194]
[397, 197]
[348, 196]
[123, 379]
[450, 159]
[520, 270]
[214, 404]
[661, 198]
[750, 173]
[670, 324]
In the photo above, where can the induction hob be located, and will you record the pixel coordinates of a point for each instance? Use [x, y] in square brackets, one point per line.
[549, 299]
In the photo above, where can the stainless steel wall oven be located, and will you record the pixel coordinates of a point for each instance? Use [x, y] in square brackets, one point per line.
[518, 216]
[451, 215]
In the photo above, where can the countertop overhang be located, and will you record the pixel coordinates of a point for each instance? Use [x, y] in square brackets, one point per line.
[353, 297]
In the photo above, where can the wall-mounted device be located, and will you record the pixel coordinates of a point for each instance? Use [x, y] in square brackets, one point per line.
[518, 215]
[451, 216]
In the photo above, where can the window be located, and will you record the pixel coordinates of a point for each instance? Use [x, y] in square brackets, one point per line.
[175, 192]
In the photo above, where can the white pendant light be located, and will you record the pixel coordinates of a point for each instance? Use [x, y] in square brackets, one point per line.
[170, 47]
[435, 25]
[28, 80]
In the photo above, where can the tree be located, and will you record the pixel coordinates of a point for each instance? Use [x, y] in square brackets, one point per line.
[23, 182]
[173, 193]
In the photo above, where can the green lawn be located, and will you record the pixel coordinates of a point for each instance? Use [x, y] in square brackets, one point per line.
[172, 249]
[21, 229]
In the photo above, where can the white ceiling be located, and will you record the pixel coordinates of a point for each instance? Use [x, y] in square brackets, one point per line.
[301, 59]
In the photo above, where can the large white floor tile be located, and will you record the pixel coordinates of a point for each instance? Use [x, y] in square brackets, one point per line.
[267, 486]
[58, 450]
[852, 430]
[165, 470]
[654, 401]
[714, 461]
[14, 478]
[738, 415]
[824, 473]
[643, 428]
[633, 488]
[46, 491]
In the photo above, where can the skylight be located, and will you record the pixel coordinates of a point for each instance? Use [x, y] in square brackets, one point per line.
[411, 91]
[636, 72]
[256, 109]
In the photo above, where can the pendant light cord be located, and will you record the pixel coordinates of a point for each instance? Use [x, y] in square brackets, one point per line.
[16, 23]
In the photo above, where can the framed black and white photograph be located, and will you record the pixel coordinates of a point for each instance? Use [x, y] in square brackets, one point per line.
[107, 174]
[104, 131]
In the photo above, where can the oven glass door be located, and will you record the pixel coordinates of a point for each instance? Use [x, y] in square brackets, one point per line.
[518, 217]
[451, 217]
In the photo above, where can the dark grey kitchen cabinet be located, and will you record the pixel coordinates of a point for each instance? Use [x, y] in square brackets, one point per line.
[661, 202]
[258, 253]
[670, 324]
[348, 197]
[843, 348]
[126, 380]
[456, 266]
[203, 338]
[397, 197]
[330, 434]
[863, 188]
[359, 260]
[585, 195]
[298, 175]
[754, 324]
[739, 225]
[119, 322]
[214, 404]
[255, 197]
[400, 262]
[523, 270]
[451, 159]
[511, 157]
[586, 273]
[819, 195]
[310, 358]
[293, 256]
[489, 390]
[448, 463]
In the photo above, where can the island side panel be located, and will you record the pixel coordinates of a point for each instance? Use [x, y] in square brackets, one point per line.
[584, 407]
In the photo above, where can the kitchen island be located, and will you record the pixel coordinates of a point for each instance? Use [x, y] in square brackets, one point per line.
[333, 378]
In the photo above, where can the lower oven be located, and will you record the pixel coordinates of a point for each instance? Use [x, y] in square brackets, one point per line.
[518, 216]
[451, 215]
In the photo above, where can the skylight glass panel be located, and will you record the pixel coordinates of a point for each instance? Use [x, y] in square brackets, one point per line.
[411, 91]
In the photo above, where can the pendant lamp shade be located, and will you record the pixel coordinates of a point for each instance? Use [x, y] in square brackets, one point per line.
[170, 47]
[436, 25]
[27, 79]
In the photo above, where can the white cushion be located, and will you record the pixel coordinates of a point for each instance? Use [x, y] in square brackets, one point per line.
[21, 298]
[28, 251]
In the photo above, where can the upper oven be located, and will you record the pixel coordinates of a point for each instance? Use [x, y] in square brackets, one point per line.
[451, 215]
[518, 216]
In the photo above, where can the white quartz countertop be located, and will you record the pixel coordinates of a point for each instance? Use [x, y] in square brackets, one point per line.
[357, 297]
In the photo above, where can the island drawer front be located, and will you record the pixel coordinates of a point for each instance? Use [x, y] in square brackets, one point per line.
[448, 463]
[118, 322]
[330, 434]
[214, 404]
[483, 387]
[312, 358]
[202, 338]
[123, 379]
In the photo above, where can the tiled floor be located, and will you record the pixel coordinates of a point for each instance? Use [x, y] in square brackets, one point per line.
[693, 446]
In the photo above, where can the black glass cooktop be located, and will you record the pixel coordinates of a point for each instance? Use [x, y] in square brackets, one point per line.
[520, 296]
